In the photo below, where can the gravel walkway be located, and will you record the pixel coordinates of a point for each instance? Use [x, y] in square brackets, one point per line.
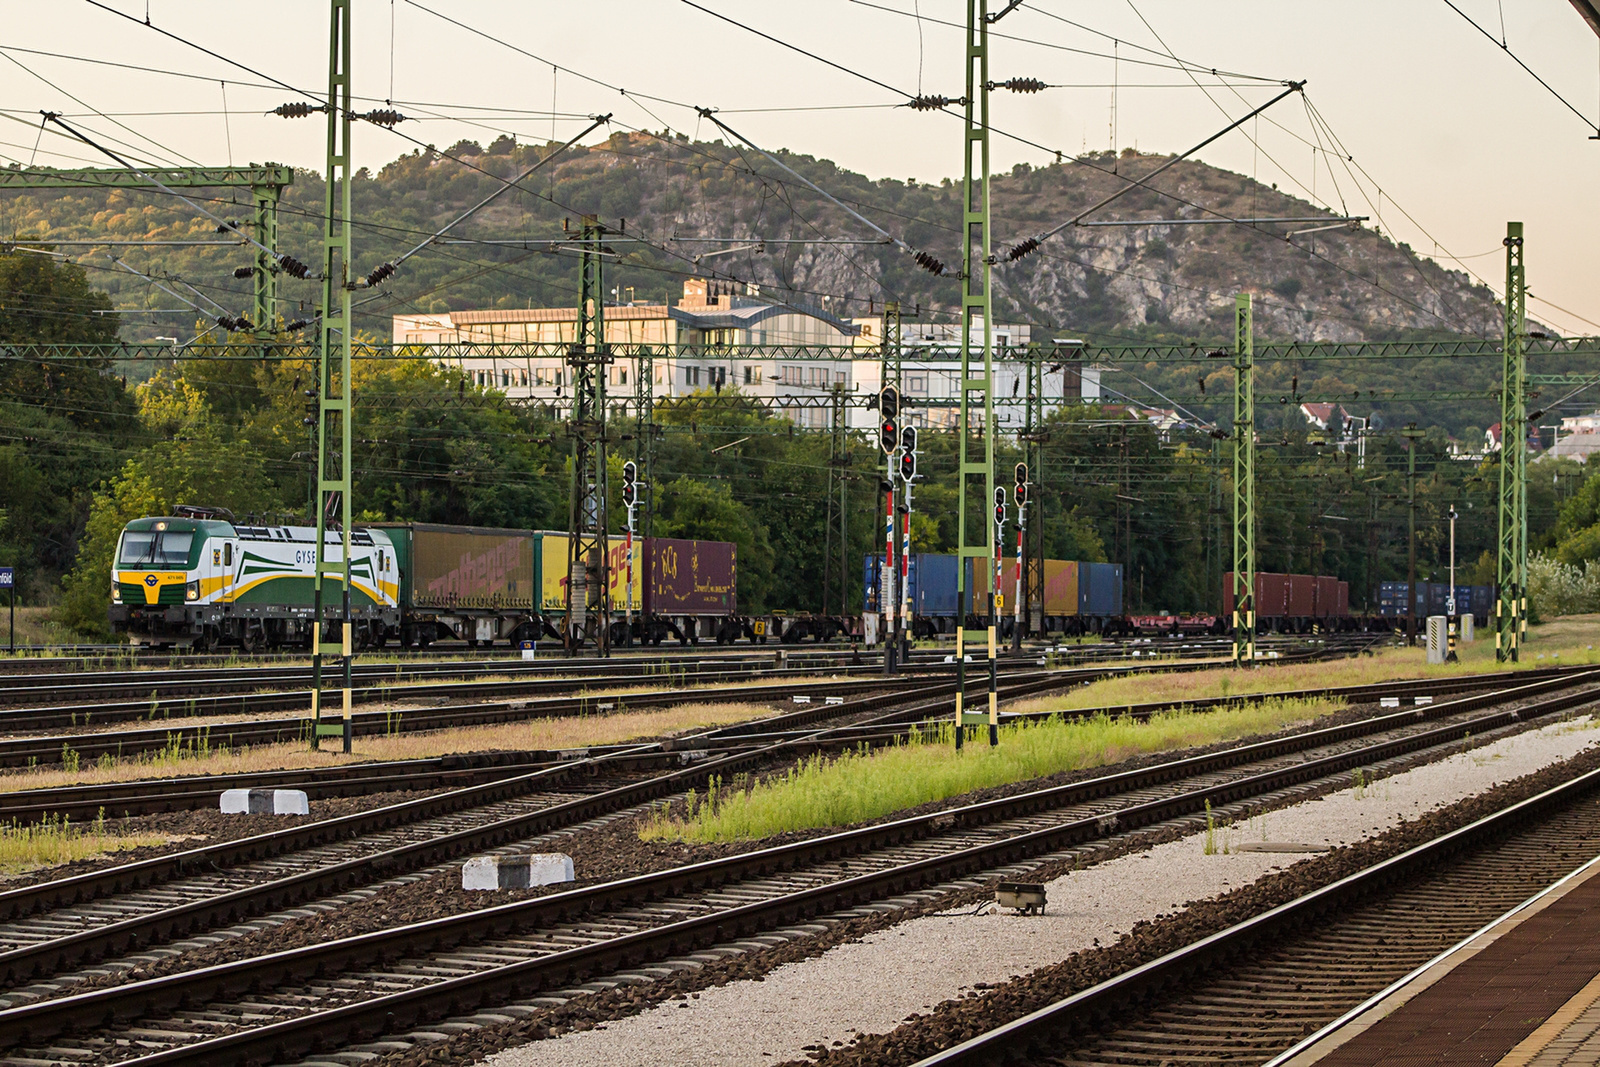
[872, 985]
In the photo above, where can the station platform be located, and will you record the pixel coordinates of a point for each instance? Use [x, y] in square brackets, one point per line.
[1522, 992]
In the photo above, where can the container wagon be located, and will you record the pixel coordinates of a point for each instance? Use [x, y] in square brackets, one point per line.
[472, 583]
[690, 592]
[1394, 600]
[1067, 608]
[1294, 603]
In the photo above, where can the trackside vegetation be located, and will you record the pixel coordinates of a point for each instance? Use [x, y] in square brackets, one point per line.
[864, 785]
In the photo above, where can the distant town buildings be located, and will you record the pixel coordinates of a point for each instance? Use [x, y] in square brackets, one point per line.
[697, 347]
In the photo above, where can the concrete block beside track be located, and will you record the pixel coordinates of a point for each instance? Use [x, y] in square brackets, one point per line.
[516, 872]
[265, 802]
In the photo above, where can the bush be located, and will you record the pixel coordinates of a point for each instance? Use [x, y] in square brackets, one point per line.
[1556, 588]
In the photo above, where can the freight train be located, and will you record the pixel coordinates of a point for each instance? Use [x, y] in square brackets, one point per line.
[199, 579]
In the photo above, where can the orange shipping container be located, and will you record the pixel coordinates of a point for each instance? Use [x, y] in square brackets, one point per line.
[1060, 587]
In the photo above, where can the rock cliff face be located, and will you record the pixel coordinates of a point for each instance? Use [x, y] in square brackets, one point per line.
[1340, 283]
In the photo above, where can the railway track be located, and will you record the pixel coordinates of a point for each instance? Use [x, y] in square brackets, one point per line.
[177, 735]
[345, 992]
[1252, 992]
[85, 917]
[177, 793]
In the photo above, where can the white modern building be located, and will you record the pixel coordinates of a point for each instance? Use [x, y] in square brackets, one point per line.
[696, 347]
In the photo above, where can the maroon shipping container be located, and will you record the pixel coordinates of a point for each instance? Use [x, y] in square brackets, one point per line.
[1343, 601]
[690, 577]
[1272, 594]
[1327, 596]
[1302, 596]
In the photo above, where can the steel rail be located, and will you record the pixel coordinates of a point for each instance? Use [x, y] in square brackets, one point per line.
[48, 956]
[396, 1012]
[170, 794]
[1173, 971]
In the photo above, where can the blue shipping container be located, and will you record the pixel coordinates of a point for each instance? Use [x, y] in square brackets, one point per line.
[1483, 601]
[1100, 589]
[932, 579]
[934, 590]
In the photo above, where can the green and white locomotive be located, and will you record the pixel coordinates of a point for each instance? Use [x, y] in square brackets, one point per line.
[199, 579]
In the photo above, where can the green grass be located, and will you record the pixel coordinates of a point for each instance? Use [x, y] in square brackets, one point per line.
[860, 786]
[57, 841]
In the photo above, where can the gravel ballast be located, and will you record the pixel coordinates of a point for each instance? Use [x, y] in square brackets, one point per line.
[868, 986]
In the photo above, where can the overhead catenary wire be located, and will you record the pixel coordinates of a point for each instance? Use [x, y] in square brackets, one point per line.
[1023, 248]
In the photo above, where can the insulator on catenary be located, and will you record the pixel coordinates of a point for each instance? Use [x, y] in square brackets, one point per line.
[1020, 85]
[244, 272]
[297, 111]
[295, 324]
[930, 263]
[231, 325]
[293, 267]
[383, 117]
[383, 271]
[1022, 248]
[231, 226]
[933, 103]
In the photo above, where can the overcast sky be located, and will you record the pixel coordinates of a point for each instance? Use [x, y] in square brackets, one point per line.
[1457, 137]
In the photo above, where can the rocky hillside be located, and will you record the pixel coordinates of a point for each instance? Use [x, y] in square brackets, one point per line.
[1338, 284]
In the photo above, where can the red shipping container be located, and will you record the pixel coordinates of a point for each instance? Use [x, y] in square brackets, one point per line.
[1272, 594]
[1342, 604]
[690, 577]
[1302, 596]
[1327, 596]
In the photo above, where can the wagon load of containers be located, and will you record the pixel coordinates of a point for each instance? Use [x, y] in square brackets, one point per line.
[1078, 597]
[1293, 602]
[1394, 600]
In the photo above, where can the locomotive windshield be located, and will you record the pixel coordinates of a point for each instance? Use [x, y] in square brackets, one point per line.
[169, 549]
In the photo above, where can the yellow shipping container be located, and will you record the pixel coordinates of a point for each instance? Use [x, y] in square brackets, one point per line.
[553, 573]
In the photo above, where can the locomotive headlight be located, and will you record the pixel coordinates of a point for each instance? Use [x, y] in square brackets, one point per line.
[192, 591]
[116, 592]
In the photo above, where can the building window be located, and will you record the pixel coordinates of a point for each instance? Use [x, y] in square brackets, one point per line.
[752, 374]
[505, 379]
[838, 377]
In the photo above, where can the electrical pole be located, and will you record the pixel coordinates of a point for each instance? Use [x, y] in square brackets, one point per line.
[588, 543]
[1244, 483]
[1411, 434]
[1450, 601]
[1511, 569]
[975, 541]
[335, 392]
[908, 474]
[1030, 605]
[1019, 493]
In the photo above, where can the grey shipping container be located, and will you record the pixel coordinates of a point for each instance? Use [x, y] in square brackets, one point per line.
[1100, 589]
[687, 577]
[458, 567]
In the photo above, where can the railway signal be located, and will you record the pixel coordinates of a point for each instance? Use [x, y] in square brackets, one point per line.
[630, 484]
[908, 454]
[999, 507]
[630, 500]
[1019, 491]
[889, 414]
